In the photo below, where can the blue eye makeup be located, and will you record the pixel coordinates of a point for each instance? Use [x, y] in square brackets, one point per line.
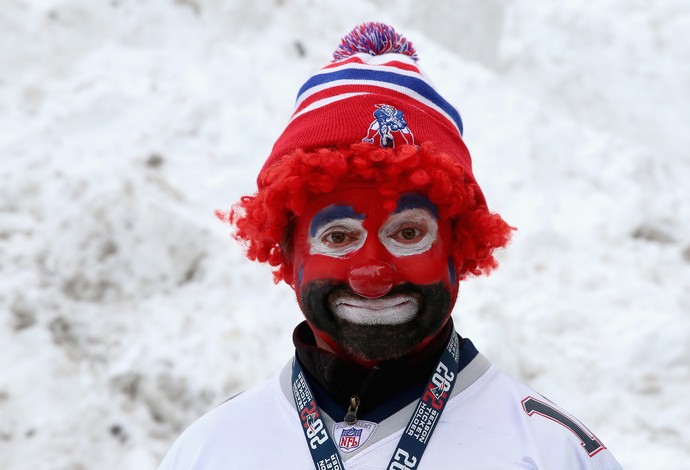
[331, 213]
[415, 201]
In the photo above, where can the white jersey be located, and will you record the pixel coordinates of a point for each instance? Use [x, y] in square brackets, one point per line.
[491, 421]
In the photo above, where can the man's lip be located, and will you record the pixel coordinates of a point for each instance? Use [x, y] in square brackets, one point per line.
[389, 310]
[380, 303]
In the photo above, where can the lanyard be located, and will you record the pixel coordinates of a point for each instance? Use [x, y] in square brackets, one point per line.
[417, 433]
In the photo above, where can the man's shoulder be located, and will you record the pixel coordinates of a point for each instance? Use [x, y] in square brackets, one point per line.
[503, 412]
[240, 421]
[263, 400]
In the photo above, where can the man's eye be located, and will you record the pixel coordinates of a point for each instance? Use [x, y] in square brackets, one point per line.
[339, 237]
[409, 234]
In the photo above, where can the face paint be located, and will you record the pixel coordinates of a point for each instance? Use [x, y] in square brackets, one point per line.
[336, 231]
[380, 341]
[373, 285]
[410, 232]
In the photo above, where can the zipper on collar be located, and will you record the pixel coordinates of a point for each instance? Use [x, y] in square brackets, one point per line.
[355, 401]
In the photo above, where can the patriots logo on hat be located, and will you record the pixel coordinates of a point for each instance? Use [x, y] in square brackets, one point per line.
[388, 120]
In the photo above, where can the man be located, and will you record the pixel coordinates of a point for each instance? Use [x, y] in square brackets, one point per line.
[368, 208]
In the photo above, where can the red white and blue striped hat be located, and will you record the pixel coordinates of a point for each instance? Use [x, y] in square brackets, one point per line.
[373, 91]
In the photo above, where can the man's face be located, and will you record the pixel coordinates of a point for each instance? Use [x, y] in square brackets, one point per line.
[373, 285]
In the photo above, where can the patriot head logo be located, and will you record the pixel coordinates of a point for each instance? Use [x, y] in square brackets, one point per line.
[311, 419]
[438, 392]
[388, 123]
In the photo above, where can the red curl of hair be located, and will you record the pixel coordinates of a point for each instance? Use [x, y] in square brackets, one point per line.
[262, 222]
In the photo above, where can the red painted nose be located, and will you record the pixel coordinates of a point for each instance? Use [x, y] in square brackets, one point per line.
[371, 279]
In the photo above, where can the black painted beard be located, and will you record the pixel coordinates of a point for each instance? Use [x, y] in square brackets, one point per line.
[376, 342]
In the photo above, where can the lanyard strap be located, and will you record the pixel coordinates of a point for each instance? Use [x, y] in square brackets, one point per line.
[421, 426]
[323, 450]
[417, 433]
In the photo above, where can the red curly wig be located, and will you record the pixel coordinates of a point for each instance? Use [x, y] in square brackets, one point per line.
[263, 221]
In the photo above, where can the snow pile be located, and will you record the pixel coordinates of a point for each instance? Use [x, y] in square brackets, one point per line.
[126, 311]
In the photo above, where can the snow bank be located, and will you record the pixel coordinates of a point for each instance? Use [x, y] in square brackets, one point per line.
[127, 311]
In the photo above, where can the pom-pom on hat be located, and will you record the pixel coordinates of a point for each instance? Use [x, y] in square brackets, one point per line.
[373, 91]
[374, 39]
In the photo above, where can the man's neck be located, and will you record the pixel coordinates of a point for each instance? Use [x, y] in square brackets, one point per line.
[341, 378]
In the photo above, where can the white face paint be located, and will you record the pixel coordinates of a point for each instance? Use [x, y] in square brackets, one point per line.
[338, 238]
[409, 232]
[389, 310]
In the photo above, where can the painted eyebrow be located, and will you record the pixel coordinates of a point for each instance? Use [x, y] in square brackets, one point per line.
[331, 213]
[415, 201]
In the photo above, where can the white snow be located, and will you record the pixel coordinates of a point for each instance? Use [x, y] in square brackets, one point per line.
[126, 310]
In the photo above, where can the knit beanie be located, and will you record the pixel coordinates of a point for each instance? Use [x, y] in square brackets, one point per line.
[372, 91]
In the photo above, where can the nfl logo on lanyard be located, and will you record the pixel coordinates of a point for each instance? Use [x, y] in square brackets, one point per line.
[351, 437]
